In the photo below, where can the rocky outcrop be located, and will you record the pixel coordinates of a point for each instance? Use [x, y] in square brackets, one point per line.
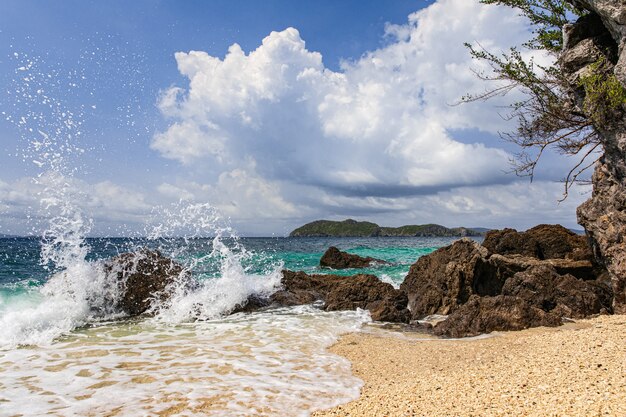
[487, 314]
[546, 269]
[604, 215]
[384, 302]
[441, 281]
[336, 259]
[542, 242]
[144, 277]
[543, 287]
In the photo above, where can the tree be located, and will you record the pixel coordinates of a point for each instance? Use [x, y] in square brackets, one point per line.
[553, 114]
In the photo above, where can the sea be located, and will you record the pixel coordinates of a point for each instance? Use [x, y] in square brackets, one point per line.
[65, 352]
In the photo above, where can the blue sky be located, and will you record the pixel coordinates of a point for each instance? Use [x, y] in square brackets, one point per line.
[325, 110]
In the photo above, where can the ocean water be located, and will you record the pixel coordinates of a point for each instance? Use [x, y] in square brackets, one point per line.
[61, 356]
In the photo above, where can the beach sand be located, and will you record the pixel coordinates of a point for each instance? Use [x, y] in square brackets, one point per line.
[574, 370]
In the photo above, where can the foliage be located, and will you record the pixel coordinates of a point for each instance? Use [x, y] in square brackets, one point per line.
[604, 94]
[549, 116]
[333, 228]
[547, 17]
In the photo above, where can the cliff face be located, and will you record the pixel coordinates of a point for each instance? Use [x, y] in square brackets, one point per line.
[602, 36]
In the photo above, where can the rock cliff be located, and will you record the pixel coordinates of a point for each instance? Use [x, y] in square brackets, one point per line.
[600, 36]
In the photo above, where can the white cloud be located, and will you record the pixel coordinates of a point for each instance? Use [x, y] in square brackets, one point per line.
[272, 138]
[239, 194]
[382, 125]
[23, 203]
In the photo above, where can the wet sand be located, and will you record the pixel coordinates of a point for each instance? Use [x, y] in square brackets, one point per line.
[574, 370]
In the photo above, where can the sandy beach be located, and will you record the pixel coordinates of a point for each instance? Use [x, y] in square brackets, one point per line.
[574, 370]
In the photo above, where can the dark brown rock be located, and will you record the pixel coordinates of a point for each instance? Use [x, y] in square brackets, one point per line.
[487, 314]
[336, 259]
[507, 266]
[344, 293]
[543, 287]
[441, 281]
[565, 284]
[143, 277]
[542, 242]
[511, 242]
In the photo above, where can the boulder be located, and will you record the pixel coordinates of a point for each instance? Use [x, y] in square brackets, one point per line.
[441, 281]
[144, 277]
[336, 259]
[384, 302]
[501, 313]
[565, 295]
[548, 268]
[544, 241]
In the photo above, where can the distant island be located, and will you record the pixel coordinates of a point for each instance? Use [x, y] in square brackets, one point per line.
[352, 228]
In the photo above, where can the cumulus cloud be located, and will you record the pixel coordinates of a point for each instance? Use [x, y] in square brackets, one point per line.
[381, 126]
[272, 137]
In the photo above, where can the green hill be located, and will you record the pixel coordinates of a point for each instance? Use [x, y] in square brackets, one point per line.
[347, 228]
[352, 228]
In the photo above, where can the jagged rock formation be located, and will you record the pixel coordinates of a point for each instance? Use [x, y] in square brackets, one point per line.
[144, 277]
[336, 259]
[486, 314]
[384, 302]
[541, 242]
[602, 35]
[513, 281]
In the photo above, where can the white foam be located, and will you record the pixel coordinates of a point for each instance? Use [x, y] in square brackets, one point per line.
[271, 364]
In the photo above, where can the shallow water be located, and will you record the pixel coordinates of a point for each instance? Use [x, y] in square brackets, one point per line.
[271, 364]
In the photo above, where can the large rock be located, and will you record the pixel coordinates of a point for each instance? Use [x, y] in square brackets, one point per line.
[543, 287]
[143, 278]
[336, 259]
[544, 241]
[544, 272]
[384, 302]
[604, 215]
[441, 281]
[501, 313]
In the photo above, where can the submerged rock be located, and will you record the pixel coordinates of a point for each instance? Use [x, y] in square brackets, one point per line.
[336, 259]
[384, 302]
[144, 277]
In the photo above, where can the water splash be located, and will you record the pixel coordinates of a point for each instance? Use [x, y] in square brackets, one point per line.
[233, 283]
[78, 291]
[76, 288]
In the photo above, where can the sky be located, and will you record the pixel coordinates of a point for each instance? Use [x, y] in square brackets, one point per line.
[274, 113]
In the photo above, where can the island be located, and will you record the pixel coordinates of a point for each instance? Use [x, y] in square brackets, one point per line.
[353, 228]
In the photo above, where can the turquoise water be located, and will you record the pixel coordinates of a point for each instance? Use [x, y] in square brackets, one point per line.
[20, 257]
[21, 270]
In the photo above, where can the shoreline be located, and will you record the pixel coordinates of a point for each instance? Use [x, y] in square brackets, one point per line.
[574, 370]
